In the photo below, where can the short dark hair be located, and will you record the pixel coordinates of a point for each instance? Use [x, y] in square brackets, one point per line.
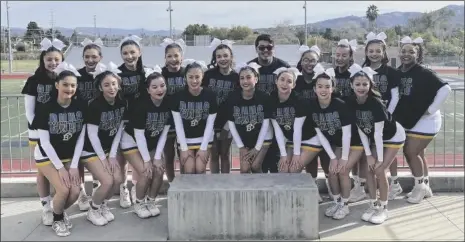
[263, 37]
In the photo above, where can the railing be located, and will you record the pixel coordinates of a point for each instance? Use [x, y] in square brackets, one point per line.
[444, 152]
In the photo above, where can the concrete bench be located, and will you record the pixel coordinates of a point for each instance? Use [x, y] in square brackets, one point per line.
[243, 207]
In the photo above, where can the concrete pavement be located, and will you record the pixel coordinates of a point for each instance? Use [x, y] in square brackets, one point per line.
[438, 218]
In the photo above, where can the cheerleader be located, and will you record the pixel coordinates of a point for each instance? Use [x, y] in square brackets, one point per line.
[38, 90]
[104, 121]
[132, 83]
[92, 55]
[386, 82]
[61, 129]
[222, 80]
[333, 123]
[144, 139]
[194, 111]
[173, 72]
[375, 125]
[249, 113]
[422, 93]
[304, 89]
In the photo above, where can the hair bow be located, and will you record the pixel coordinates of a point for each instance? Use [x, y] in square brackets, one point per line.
[149, 71]
[134, 38]
[319, 69]
[351, 44]
[372, 36]
[356, 68]
[252, 65]
[45, 44]
[87, 41]
[101, 68]
[304, 48]
[408, 40]
[215, 42]
[64, 66]
[292, 70]
[168, 41]
[191, 61]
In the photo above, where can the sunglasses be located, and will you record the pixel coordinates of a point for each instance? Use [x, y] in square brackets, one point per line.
[267, 47]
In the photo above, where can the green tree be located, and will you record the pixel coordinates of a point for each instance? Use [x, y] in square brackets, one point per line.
[391, 37]
[220, 33]
[196, 29]
[301, 36]
[398, 30]
[328, 34]
[239, 32]
[372, 14]
[34, 33]
[56, 34]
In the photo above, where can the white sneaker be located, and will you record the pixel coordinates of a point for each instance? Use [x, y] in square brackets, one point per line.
[83, 201]
[342, 212]
[366, 216]
[47, 214]
[95, 217]
[60, 228]
[152, 208]
[329, 189]
[332, 209]
[141, 210]
[394, 190]
[357, 193]
[133, 194]
[67, 220]
[418, 194]
[124, 200]
[380, 216]
[106, 213]
[429, 192]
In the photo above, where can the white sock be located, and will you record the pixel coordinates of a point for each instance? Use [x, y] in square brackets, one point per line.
[336, 197]
[345, 201]
[383, 203]
[426, 180]
[362, 181]
[418, 180]
[394, 179]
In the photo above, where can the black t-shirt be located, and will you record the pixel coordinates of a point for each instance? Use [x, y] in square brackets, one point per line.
[331, 119]
[194, 110]
[86, 85]
[222, 86]
[64, 125]
[248, 115]
[266, 82]
[343, 84]
[285, 113]
[305, 90]
[132, 83]
[371, 112]
[152, 119]
[417, 90]
[175, 81]
[386, 79]
[108, 119]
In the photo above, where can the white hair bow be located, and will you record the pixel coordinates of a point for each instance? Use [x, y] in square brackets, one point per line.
[87, 41]
[372, 36]
[149, 71]
[292, 70]
[101, 68]
[191, 61]
[45, 44]
[134, 38]
[408, 40]
[356, 68]
[252, 65]
[319, 69]
[352, 44]
[168, 41]
[64, 66]
[314, 48]
[215, 42]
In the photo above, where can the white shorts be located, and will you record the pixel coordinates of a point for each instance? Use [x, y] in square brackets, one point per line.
[128, 145]
[427, 127]
[397, 141]
[33, 136]
[42, 160]
[312, 144]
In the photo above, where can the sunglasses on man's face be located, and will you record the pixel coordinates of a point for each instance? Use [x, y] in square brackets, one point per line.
[265, 47]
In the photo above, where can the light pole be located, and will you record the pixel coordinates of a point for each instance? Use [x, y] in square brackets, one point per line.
[170, 10]
[306, 31]
[10, 52]
[95, 26]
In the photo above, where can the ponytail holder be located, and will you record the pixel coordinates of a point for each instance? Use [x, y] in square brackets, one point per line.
[408, 40]
[351, 44]
[100, 68]
[191, 61]
[87, 42]
[319, 69]
[149, 71]
[304, 48]
[252, 65]
[356, 68]
[64, 66]
[45, 44]
[372, 36]
[134, 38]
[168, 41]
[292, 70]
[216, 42]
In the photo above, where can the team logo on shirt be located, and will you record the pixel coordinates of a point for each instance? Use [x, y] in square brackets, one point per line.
[329, 122]
[65, 123]
[381, 83]
[110, 120]
[43, 93]
[155, 122]
[307, 94]
[67, 136]
[405, 86]
[266, 83]
[248, 116]
[194, 111]
[285, 117]
[343, 85]
[221, 88]
[86, 90]
[130, 85]
[175, 84]
[364, 120]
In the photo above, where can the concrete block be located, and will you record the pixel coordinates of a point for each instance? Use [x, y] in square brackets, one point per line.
[243, 207]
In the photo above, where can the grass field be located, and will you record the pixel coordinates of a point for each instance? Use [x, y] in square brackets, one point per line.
[20, 65]
[446, 149]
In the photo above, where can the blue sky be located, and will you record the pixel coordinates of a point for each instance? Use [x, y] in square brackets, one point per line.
[153, 15]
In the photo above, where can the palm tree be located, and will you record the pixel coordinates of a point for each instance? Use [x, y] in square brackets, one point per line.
[372, 15]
